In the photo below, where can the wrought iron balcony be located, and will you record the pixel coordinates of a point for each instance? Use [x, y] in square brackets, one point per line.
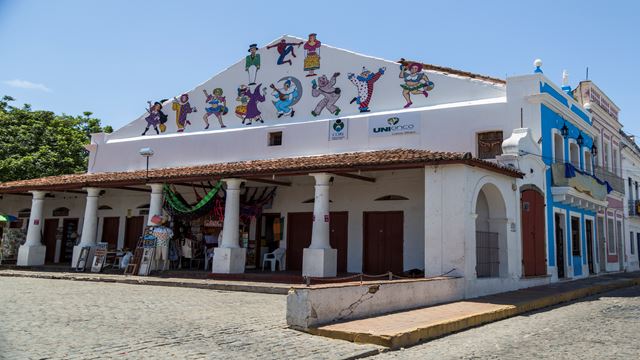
[567, 176]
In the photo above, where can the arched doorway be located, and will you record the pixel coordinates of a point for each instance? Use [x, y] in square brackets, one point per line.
[491, 233]
[534, 258]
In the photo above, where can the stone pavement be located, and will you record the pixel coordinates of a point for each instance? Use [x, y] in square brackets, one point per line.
[407, 328]
[603, 326]
[41, 318]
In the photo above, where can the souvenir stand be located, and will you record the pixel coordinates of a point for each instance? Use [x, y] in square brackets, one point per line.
[198, 226]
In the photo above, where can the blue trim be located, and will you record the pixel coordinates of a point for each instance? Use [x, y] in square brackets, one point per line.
[546, 88]
[576, 110]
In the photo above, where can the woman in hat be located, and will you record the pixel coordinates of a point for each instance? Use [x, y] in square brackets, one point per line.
[312, 55]
[218, 106]
[156, 117]
[415, 82]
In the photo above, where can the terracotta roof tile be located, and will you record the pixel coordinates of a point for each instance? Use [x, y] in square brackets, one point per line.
[342, 162]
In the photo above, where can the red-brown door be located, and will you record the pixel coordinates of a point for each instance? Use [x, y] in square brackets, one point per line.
[383, 242]
[339, 237]
[50, 230]
[110, 228]
[299, 229]
[133, 231]
[533, 233]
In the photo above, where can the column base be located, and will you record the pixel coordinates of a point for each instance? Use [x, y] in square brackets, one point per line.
[31, 255]
[319, 262]
[229, 260]
[76, 255]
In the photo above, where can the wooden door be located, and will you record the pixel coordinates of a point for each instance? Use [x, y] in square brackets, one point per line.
[110, 229]
[339, 237]
[299, 229]
[589, 231]
[133, 231]
[298, 237]
[559, 245]
[533, 233]
[383, 242]
[50, 231]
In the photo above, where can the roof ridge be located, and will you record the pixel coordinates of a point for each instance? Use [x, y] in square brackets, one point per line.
[453, 71]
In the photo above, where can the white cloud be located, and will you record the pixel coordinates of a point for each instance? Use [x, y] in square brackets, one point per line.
[24, 84]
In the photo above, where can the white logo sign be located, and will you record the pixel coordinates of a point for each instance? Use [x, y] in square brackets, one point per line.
[338, 129]
[400, 124]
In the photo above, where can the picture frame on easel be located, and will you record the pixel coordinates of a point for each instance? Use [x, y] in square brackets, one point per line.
[81, 264]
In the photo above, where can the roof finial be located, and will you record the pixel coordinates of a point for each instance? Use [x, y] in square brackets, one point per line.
[537, 63]
[565, 82]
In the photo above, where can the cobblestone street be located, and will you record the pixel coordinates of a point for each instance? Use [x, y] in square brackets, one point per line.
[605, 326]
[80, 320]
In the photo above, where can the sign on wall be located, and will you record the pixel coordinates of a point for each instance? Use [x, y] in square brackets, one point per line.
[338, 129]
[398, 124]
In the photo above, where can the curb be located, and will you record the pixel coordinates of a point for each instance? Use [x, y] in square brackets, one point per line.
[447, 327]
[137, 280]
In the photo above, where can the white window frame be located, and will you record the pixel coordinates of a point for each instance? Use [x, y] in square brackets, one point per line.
[562, 212]
[555, 158]
[586, 151]
[570, 160]
[573, 214]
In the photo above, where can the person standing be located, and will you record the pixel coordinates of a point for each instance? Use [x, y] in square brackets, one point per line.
[163, 236]
[252, 63]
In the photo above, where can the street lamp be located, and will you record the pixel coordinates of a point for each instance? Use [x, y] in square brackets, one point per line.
[147, 152]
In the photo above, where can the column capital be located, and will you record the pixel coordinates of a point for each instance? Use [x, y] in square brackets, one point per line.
[38, 194]
[322, 178]
[233, 183]
[156, 188]
[93, 192]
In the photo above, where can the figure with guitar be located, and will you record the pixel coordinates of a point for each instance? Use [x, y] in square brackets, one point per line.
[286, 96]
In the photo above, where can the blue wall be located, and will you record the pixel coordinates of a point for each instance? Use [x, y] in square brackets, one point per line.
[550, 120]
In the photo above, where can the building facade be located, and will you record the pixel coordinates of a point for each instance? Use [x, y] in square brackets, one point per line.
[349, 164]
[631, 173]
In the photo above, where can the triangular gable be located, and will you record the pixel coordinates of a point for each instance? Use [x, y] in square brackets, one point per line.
[300, 97]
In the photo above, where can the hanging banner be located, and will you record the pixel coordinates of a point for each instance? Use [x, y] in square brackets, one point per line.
[398, 124]
[338, 129]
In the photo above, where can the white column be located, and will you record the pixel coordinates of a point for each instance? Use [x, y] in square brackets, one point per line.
[230, 258]
[155, 202]
[320, 260]
[89, 225]
[32, 253]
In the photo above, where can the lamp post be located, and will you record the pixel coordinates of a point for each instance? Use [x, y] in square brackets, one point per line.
[147, 152]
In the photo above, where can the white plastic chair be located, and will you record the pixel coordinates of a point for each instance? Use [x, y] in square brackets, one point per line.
[273, 257]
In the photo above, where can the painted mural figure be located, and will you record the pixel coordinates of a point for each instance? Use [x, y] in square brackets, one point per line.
[243, 99]
[364, 82]
[218, 107]
[156, 117]
[325, 87]
[312, 55]
[252, 63]
[287, 96]
[182, 108]
[255, 97]
[415, 82]
[284, 48]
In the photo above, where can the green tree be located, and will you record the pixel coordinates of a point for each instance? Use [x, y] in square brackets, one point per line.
[34, 144]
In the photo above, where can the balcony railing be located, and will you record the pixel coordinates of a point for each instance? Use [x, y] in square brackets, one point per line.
[565, 175]
[616, 182]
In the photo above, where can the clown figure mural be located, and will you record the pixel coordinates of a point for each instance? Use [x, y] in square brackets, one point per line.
[415, 82]
[156, 117]
[312, 55]
[252, 63]
[182, 108]
[364, 82]
[326, 88]
[218, 107]
[287, 96]
[254, 97]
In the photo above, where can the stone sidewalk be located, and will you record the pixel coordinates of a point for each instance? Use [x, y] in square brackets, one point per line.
[408, 328]
[228, 285]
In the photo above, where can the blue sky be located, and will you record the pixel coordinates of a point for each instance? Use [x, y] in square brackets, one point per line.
[71, 56]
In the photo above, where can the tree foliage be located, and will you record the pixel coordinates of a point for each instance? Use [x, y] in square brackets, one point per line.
[34, 144]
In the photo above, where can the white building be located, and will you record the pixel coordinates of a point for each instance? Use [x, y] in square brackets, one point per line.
[631, 172]
[375, 184]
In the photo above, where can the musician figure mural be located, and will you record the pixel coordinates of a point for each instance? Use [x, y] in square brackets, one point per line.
[284, 48]
[415, 81]
[287, 96]
[252, 63]
[182, 108]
